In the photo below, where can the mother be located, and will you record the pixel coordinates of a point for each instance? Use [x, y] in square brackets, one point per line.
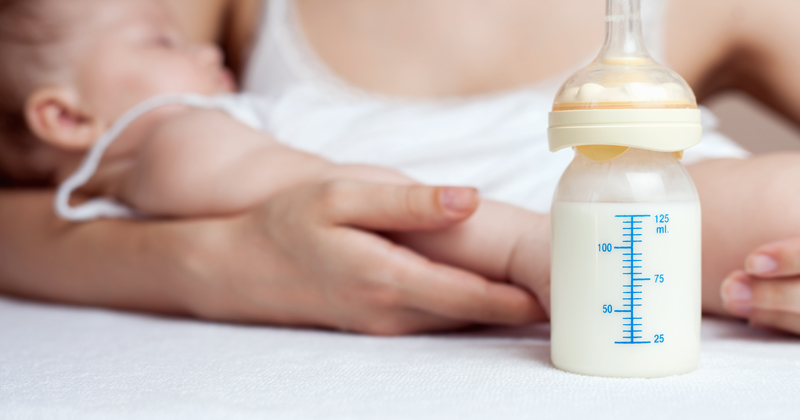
[303, 259]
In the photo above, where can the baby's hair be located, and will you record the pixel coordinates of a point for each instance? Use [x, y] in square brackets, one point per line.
[25, 28]
[18, 33]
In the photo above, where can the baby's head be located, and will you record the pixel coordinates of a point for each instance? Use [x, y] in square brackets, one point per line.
[70, 68]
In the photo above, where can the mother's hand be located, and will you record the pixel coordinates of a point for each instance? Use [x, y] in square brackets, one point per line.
[767, 292]
[302, 259]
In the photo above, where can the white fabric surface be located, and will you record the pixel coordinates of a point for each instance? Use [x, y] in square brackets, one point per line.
[59, 362]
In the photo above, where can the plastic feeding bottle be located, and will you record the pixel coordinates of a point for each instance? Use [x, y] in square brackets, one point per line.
[626, 216]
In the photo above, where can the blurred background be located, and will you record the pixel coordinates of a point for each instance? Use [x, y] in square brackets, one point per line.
[753, 125]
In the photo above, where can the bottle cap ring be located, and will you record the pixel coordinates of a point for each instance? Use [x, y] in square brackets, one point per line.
[662, 130]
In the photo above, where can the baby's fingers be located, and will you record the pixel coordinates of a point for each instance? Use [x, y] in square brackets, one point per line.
[786, 321]
[770, 302]
[776, 259]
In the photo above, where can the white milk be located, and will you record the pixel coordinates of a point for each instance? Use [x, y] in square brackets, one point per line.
[591, 284]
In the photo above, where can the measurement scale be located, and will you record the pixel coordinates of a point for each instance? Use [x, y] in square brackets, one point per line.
[632, 300]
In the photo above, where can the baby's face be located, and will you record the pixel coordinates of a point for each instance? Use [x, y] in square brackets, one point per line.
[125, 51]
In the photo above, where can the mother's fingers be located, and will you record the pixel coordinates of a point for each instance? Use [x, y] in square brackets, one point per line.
[742, 293]
[404, 322]
[391, 276]
[786, 321]
[777, 259]
[772, 302]
[737, 294]
[458, 294]
[395, 207]
[462, 295]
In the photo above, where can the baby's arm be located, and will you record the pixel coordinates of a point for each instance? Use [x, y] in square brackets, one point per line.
[205, 163]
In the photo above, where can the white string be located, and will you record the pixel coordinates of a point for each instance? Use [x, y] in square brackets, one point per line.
[102, 206]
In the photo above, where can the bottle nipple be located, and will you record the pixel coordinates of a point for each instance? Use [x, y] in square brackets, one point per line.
[622, 77]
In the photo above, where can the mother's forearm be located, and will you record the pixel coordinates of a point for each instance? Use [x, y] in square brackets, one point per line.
[121, 264]
[300, 259]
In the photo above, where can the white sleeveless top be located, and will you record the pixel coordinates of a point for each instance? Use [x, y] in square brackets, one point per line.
[496, 142]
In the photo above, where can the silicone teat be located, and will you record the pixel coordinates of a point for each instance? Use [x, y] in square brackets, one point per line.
[624, 76]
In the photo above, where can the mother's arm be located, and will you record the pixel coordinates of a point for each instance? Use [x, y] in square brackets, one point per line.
[738, 44]
[109, 263]
[298, 260]
[750, 46]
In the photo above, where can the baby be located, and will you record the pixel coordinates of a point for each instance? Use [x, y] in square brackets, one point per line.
[71, 69]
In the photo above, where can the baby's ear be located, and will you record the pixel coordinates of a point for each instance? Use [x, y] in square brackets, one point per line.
[54, 115]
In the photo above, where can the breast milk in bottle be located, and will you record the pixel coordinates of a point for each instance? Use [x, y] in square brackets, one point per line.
[625, 276]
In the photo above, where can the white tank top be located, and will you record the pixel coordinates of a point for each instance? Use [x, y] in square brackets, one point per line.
[495, 142]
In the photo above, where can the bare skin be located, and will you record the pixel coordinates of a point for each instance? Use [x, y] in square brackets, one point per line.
[489, 46]
[281, 264]
[420, 48]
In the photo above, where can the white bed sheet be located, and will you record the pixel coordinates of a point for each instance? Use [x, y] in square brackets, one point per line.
[59, 362]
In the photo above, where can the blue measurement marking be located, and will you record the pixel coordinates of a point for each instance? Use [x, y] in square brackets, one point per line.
[629, 237]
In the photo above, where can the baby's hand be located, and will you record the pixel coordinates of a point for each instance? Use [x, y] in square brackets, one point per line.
[767, 292]
[530, 261]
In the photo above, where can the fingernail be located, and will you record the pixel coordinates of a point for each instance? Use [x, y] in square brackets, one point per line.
[458, 199]
[761, 264]
[737, 296]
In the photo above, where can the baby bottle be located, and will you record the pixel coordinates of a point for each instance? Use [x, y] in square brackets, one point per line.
[626, 260]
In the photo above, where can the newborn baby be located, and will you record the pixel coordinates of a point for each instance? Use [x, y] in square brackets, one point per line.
[73, 68]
